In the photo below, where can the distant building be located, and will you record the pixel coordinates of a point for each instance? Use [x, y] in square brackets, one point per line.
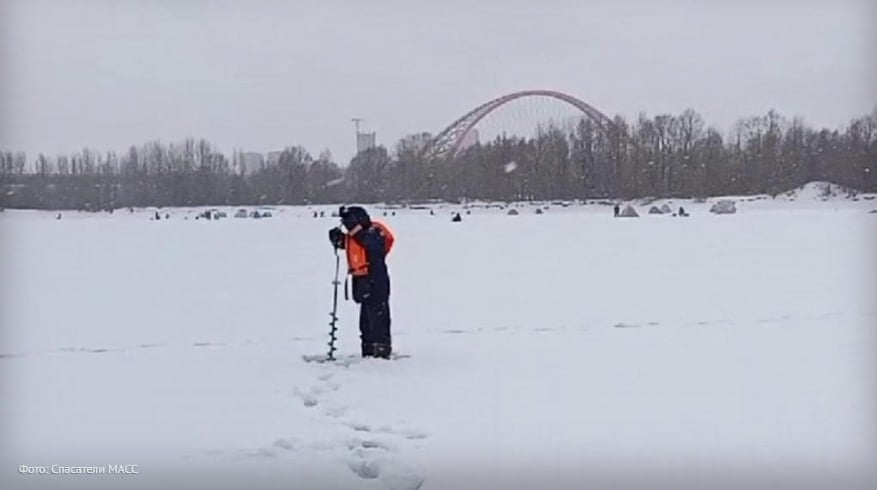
[274, 157]
[365, 141]
[251, 161]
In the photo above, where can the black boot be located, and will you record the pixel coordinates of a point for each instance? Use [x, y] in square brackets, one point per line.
[382, 351]
[368, 349]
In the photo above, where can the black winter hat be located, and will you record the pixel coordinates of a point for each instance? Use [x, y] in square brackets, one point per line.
[354, 215]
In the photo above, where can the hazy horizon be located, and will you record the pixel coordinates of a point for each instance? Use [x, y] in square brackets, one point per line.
[263, 75]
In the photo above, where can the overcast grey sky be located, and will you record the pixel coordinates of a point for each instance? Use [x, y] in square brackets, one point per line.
[261, 75]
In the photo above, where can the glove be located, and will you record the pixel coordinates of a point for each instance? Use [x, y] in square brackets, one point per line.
[336, 237]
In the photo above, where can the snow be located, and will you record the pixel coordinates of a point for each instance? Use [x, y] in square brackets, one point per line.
[816, 190]
[565, 350]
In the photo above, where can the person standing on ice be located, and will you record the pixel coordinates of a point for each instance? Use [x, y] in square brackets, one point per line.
[367, 244]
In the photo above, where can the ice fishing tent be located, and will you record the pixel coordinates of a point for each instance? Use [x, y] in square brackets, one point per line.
[655, 210]
[665, 209]
[513, 212]
[724, 206]
[628, 212]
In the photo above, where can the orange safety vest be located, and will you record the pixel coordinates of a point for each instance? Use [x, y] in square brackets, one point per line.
[357, 260]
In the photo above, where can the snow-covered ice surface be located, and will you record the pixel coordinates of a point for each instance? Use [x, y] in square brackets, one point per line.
[561, 350]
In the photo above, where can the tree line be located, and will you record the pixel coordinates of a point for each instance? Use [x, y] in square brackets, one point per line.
[661, 156]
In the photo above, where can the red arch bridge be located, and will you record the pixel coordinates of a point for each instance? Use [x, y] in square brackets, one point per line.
[450, 142]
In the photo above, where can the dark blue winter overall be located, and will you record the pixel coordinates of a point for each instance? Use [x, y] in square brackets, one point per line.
[372, 292]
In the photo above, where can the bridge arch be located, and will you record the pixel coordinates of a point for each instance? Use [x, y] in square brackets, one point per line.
[448, 143]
